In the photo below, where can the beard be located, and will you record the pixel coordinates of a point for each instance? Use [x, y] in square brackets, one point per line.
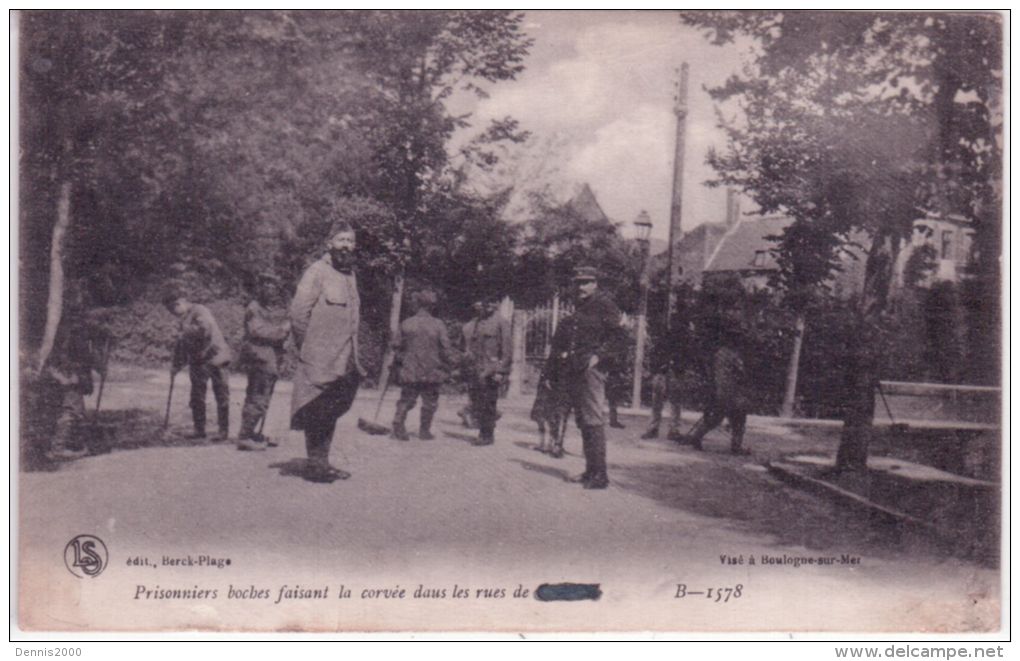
[343, 260]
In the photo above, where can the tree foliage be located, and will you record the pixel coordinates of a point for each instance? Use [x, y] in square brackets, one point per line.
[862, 122]
[206, 147]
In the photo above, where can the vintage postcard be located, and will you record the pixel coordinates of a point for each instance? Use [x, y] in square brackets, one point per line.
[499, 321]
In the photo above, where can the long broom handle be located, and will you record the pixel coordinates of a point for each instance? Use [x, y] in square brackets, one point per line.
[102, 375]
[262, 423]
[387, 368]
[169, 397]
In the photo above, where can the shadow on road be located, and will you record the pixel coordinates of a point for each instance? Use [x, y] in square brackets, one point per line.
[118, 429]
[460, 436]
[545, 470]
[752, 502]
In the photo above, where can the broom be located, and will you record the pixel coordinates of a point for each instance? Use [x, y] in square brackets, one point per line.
[373, 427]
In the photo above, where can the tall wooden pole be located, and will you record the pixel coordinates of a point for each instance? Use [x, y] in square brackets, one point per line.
[639, 349]
[675, 211]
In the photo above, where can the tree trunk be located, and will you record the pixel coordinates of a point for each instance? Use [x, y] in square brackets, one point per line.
[55, 301]
[790, 396]
[862, 360]
[395, 304]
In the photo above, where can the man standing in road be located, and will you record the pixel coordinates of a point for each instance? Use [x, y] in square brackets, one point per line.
[423, 354]
[594, 327]
[729, 395]
[489, 350]
[202, 347]
[265, 329]
[325, 315]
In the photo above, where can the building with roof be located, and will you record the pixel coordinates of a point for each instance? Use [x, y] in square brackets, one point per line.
[745, 253]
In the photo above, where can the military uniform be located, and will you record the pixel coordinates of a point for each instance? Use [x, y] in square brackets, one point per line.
[325, 316]
[489, 350]
[202, 347]
[593, 331]
[265, 331]
[424, 352]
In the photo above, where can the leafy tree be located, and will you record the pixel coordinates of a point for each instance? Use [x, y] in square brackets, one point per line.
[856, 122]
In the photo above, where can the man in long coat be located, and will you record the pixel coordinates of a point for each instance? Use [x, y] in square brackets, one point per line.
[202, 347]
[325, 315]
[489, 349]
[424, 354]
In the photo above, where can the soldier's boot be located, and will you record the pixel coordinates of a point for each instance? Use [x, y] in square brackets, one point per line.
[599, 476]
[696, 435]
[586, 445]
[399, 417]
[737, 428]
[223, 423]
[425, 425]
[674, 433]
[614, 420]
[319, 469]
[486, 435]
[198, 418]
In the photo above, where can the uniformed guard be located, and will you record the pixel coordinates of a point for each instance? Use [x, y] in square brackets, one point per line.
[594, 325]
[489, 349]
[201, 346]
[266, 328]
[423, 355]
[325, 316]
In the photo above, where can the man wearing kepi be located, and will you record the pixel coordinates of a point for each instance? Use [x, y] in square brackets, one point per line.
[325, 315]
[489, 349]
[423, 352]
[594, 329]
[202, 347]
[265, 329]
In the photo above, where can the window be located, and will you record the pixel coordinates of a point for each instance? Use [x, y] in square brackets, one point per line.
[947, 244]
[759, 258]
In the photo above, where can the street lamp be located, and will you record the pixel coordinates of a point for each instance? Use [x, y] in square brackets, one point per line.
[642, 232]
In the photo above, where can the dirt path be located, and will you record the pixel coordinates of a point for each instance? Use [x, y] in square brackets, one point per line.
[443, 513]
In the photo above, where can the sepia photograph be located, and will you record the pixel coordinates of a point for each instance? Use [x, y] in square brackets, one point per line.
[501, 322]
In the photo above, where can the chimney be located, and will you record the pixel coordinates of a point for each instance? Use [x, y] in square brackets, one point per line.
[732, 207]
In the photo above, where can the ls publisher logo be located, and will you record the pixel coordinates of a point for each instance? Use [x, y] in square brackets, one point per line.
[86, 555]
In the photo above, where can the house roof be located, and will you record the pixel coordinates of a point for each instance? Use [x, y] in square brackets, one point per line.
[584, 204]
[737, 249]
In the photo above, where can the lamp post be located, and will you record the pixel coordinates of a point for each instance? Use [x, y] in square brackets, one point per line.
[643, 230]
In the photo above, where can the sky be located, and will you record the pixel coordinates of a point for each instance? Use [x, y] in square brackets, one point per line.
[598, 97]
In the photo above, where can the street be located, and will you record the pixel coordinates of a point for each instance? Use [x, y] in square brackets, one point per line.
[438, 514]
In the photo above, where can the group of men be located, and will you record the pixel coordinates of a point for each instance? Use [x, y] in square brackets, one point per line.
[323, 320]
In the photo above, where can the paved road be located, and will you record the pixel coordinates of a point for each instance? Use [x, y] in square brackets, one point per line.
[443, 513]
